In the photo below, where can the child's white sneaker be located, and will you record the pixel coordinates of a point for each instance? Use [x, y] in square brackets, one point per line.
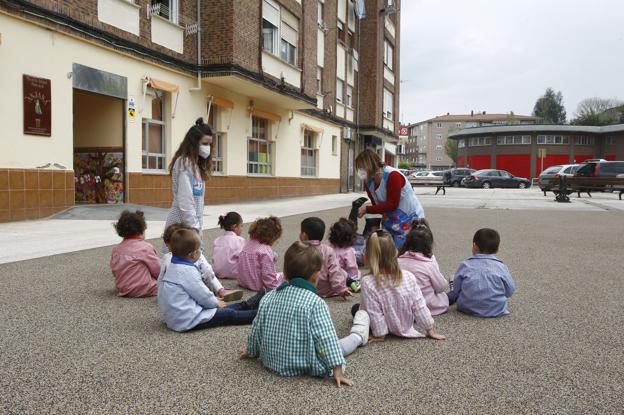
[361, 325]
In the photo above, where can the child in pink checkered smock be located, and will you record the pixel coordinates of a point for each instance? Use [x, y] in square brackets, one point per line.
[391, 296]
[256, 261]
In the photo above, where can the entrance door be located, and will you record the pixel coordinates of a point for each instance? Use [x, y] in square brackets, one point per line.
[99, 166]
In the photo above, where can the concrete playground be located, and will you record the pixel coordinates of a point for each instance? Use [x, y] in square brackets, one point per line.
[69, 345]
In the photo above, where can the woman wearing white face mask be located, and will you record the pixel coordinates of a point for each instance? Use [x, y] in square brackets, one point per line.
[391, 195]
[190, 168]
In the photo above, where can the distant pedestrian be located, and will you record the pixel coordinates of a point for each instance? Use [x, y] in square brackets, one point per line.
[227, 247]
[342, 237]
[189, 169]
[134, 262]
[417, 257]
[482, 283]
[391, 296]
[293, 334]
[333, 279]
[391, 194]
[183, 298]
[256, 261]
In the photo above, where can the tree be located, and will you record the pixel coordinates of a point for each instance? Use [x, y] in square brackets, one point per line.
[549, 108]
[450, 147]
[405, 165]
[598, 111]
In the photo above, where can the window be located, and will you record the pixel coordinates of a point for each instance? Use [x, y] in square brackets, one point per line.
[167, 9]
[308, 154]
[259, 159]
[280, 34]
[458, 124]
[553, 139]
[584, 141]
[388, 54]
[388, 104]
[461, 143]
[334, 145]
[269, 36]
[288, 52]
[153, 147]
[339, 88]
[611, 141]
[320, 13]
[515, 139]
[319, 80]
[439, 125]
[439, 136]
[218, 142]
[438, 159]
[480, 141]
[438, 147]
[349, 96]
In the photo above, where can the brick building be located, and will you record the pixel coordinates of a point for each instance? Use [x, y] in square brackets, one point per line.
[526, 150]
[427, 139]
[98, 94]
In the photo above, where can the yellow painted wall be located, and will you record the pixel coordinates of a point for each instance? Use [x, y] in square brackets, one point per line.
[98, 121]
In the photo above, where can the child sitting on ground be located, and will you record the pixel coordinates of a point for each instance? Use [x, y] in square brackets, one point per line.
[417, 257]
[134, 262]
[483, 283]
[207, 274]
[185, 301]
[342, 236]
[293, 333]
[228, 246]
[333, 280]
[256, 261]
[391, 296]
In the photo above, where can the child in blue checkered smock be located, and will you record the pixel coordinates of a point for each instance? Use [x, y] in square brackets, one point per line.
[293, 333]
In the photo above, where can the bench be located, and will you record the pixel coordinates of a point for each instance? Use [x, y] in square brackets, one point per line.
[579, 184]
[439, 186]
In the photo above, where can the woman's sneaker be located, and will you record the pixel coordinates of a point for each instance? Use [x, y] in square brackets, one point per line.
[361, 325]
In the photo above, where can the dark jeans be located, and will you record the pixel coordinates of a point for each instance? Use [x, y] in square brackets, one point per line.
[237, 314]
[452, 296]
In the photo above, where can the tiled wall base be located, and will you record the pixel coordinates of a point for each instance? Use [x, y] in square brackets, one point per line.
[155, 190]
[33, 193]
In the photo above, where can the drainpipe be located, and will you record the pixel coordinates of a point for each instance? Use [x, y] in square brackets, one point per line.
[199, 62]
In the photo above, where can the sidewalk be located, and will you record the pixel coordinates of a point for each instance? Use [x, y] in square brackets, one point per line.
[87, 227]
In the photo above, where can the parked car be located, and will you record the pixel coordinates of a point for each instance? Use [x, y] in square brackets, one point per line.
[454, 176]
[551, 175]
[593, 160]
[427, 177]
[600, 169]
[489, 178]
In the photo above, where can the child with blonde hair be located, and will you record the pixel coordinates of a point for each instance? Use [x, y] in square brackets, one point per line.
[256, 261]
[417, 257]
[391, 296]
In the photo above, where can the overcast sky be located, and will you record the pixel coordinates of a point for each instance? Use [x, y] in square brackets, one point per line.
[501, 55]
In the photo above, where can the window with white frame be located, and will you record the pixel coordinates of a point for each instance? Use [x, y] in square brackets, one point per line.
[480, 141]
[349, 96]
[513, 140]
[458, 124]
[218, 142]
[461, 143]
[259, 157]
[584, 141]
[438, 158]
[438, 147]
[309, 154]
[321, 7]
[610, 140]
[169, 9]
[153, 142]
[553, 139]
[439, 125]
[319, 80]
[439, 136]
[280, 31]
[388, 54]
[334, 145]
[339, 90]
[388, 104]
[288, 52]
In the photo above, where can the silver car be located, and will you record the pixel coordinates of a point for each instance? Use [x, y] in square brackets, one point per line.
[550, 176]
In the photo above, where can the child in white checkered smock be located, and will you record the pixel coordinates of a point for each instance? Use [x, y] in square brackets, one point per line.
[189, 169]
[293, 334]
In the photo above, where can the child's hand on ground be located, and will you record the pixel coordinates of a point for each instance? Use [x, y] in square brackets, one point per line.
[221, 293]
[435, 336]
[221, 304]
[376, 339]
[340, 379]
[346, 294]
[243, 354]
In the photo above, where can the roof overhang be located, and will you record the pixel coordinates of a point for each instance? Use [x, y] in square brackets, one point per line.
[536, 128]
[386, 137]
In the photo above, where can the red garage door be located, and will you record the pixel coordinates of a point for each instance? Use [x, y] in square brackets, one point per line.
[479, 162]
[610, 157]
[552, 160]
[516, 164]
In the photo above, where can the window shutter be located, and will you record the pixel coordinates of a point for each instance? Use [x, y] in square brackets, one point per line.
[271, 13]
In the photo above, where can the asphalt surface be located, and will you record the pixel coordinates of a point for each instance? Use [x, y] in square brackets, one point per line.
[69, 345]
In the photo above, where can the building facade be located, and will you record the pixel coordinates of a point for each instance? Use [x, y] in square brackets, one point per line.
[526, 150]
[98, 95]
[427, 139]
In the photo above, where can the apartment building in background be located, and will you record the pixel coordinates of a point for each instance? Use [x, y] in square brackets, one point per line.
[98, 94]
[425, 146]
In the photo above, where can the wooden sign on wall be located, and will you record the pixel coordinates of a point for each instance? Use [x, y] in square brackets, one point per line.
[37, 106]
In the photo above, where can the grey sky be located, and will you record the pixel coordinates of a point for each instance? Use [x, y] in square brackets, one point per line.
[501, 55]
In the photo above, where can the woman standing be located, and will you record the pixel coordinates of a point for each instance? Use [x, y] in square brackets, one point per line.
[391, 195]
[189, 169]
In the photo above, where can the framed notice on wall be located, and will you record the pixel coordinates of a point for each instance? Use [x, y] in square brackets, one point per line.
[37, 106]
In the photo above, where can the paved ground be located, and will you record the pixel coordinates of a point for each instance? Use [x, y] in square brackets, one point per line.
[35, 239]
[70, 346]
